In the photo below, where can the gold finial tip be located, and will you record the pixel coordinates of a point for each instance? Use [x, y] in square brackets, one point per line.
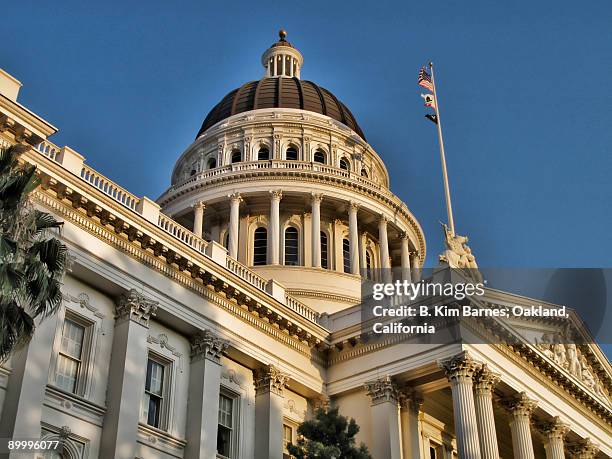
[282, 33]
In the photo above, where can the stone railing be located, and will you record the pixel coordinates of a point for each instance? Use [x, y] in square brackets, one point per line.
[149, 210]
[284, 164]
[181, 233]
[245, 273]
[109, 187]
[302, 309]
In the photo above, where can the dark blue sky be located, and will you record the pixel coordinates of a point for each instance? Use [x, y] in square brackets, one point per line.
[524, 91]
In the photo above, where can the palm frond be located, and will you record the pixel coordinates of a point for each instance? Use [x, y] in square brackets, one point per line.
[44, 221]
[16, 328]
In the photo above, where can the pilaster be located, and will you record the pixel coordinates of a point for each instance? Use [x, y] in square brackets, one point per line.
[203, 396]
[484, 382]
[127, 373]
[386, 436]
[410, 407]
[269, 385]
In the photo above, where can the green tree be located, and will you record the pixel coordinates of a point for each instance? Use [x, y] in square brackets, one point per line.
[32, 260]
[328, 436]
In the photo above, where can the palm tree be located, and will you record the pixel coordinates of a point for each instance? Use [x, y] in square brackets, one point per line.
[32, 260]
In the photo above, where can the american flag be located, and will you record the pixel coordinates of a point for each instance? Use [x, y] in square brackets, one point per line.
[425, 79]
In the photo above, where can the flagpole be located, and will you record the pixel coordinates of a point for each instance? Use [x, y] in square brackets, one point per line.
[449, 207]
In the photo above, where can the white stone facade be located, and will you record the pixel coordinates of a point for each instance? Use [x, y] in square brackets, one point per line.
[189, 349]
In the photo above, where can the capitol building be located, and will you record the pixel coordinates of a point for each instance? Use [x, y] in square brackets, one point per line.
[211, 321]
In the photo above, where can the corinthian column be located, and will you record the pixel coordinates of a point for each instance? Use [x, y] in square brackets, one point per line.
[203, 395]
[484, 382]
[198, 216]
[383, 240]
[353, 238]
[385, 420]
[584, 450]
[520, 408]
[274, 230]
[554, 431]
[269, 386]
[316, 230]
[406, 275]
[127, 373]
[410, 406]
[459, 371]
[235, 200]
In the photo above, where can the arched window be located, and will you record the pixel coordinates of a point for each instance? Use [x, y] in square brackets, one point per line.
[346, 255]
[236, 156]
[324, 262]
[368, 266]
[291, 246]
[364, 173]
[193, 172]
[319, 157]
[212, 163]
[291, 154]
[263, 154]
[260, 247]
[344, 164]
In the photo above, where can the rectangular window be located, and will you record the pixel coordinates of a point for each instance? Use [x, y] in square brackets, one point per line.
[155, 396]
[287, 439]
[70, 358]
[226, 431]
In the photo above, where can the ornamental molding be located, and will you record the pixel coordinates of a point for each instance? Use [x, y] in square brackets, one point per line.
[136, 307]
[485, 380]
[196, 278]
[207, 345]
[553, 429]
[520, 405]
[382, 390]
[269, 379]
[460, 368]
[162, 341]
[82, 299]
[584, 449]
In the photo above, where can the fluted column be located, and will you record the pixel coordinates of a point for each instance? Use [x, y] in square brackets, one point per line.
[520, 408]
[385, 418]
[410, 406]
[198, 216]
[484, 382]
[459, 371]
[235, 200]
[383, 241]
[316, 230]
[586, 449]
[127, 373]
[353, 237]
[274, 230]
[554, 432]
[269, 386]
[406, 275]
[203, 395]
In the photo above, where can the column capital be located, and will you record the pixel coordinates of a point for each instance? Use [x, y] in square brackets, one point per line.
[353, 206]
[198, 205]
[207, 345]
[485, 380]
[410, 399]
[382, 219]
[585, 449]
[276, 195]
[382, 390]
[235, 197]
[269, 379]
[316, 198]
[404, 236]
[135, 307]
[520, 405]
[553, 429]
[460, 368]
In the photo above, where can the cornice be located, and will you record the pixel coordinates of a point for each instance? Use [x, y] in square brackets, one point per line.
[247, 307]
[305, 293]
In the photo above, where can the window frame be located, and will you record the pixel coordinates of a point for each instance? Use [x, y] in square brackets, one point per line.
[262, 148]
[297, 153]
[168, 367]
[233, 154]
[235, 434]
[346, 255]
[85, 358]
[324, 265]
[297, 245]
[265, 254]
[322, 153]
[345, 161]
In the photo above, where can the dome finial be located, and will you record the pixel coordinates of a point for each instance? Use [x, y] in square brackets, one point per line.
[282, 34]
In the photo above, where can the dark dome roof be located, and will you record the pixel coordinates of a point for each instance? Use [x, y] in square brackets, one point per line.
[281, 93]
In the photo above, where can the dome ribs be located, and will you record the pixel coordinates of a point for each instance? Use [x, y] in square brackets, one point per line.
[281, 92]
